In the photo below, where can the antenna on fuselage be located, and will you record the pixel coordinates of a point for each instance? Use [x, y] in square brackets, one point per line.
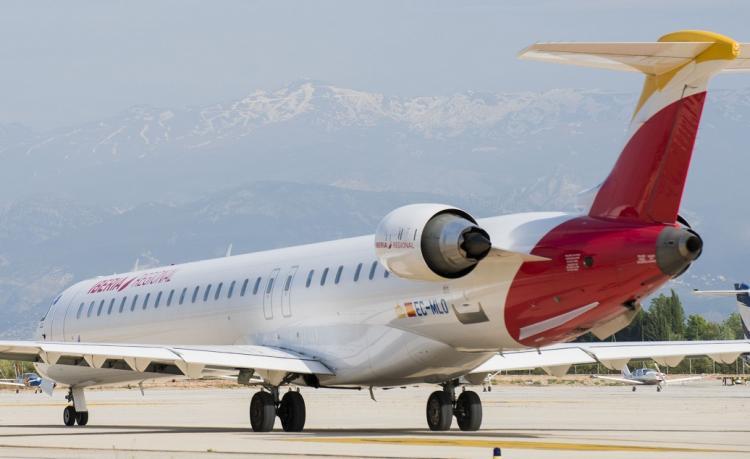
[135, 266]
[229, 250]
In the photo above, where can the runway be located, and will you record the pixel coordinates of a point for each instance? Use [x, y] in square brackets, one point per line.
[526, 421]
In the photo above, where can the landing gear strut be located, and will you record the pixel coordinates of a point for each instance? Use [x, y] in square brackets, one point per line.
[77, 412]
[265, 406]
[442, 405]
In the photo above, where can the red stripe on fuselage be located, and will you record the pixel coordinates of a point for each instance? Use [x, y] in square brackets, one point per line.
[647, 181]
[623, 268]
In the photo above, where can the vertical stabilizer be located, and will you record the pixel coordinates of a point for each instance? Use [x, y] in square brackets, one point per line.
[648, 179]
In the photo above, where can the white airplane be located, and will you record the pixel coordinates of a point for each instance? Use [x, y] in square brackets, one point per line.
[432, 296]
[645, 376]
[27, 380]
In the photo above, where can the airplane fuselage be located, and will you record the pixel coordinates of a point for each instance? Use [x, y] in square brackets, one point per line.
[335, 302]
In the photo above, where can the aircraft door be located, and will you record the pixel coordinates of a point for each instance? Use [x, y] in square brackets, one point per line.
[286, 305]
[268, 294]
[59, 312]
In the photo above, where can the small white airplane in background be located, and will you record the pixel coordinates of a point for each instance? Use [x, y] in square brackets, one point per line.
[645, 377]
[28, 380]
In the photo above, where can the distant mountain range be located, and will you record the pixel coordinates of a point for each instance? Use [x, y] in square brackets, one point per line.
[174, 184]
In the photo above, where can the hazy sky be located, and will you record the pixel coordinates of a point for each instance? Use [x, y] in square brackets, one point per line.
[74, 61]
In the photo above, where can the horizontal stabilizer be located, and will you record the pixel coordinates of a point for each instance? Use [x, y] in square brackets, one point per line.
[651, 58]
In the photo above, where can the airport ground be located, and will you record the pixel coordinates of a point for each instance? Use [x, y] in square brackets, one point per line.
[526, 420]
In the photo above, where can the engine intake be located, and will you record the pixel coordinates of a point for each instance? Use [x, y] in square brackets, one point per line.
[430, 242]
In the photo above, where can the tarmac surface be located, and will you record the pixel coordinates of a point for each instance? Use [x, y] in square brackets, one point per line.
[527, 421]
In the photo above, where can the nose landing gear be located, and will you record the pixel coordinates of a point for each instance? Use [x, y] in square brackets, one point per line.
[443, 405]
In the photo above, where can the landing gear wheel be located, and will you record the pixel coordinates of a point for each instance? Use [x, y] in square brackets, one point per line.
[633, 388]
[658, 388]
[262, 412]
[439, 411]
[468, 411]
[82, 418]
[69, 415]
[292, 412]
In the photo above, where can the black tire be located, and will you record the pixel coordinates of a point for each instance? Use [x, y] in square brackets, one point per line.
[262, 412]
[439, 411]
[69, 415]
[82, 418]
[292, 412]
[633, 388]
[469, 411]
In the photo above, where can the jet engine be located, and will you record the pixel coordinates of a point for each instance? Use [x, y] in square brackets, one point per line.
[676, 249]
[430, 242]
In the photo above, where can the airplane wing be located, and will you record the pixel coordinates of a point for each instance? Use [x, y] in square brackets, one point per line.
[557, 359]
[8, 383]
[619, 380]
[679, 380]
[190, 361]
[719, 292]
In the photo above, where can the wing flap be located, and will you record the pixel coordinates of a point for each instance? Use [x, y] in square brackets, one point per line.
[613, 355]
[190, 360]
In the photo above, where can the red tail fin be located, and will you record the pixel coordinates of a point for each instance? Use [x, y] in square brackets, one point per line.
[648, 178]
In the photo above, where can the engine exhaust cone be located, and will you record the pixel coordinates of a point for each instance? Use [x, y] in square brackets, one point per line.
[476, 243]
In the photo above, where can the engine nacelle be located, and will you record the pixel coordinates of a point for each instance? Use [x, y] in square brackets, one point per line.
[430, 242]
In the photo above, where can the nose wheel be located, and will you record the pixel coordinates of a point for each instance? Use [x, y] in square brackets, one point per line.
[443, 405]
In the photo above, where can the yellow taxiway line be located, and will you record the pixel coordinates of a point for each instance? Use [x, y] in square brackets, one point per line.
[514, 444]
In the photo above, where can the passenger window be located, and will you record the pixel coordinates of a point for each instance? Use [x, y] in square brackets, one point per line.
[323, 277]
[244, 287]
[195, 293]
[231, 289]
[206, 293]
[169, 298]
[309, 278]
[182, 295]
[372, 269]
[158, 300]
[80, 311]
[357, 271]
[111, 305]
[145, 300]
[257, 284]
[122, 304]
[269, 287]
[288, 283]
[218, 290]
[101, 306]
[91, 309]
[132, 305]
[338, 274]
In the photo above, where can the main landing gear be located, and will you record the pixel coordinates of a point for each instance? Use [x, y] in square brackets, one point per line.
[265, 406]
[443, 405]
[77, 412]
